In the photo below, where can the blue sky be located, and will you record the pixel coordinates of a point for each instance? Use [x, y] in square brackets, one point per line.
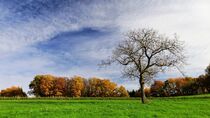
[70, 37]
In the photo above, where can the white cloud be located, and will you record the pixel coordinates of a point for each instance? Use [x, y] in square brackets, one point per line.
[189, 19]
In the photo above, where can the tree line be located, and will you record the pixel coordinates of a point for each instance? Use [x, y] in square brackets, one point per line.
[50, 86]
[178, 86]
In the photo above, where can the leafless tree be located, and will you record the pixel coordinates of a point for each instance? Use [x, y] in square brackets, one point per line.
[144, 53]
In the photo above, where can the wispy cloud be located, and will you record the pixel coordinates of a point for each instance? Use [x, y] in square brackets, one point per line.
[70, 37]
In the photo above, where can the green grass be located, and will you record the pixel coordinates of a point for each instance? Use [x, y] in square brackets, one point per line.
[174, 107]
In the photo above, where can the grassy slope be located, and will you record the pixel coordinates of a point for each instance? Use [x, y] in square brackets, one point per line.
[197, 106]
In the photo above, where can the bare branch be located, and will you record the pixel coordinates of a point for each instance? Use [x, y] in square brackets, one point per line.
[144, 53]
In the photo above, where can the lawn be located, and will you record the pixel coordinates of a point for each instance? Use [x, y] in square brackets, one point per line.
[177, 107]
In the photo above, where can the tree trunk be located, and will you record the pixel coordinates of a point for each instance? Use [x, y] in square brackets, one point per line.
[143, 97]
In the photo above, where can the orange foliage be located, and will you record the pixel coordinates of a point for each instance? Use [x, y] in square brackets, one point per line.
[156, 88]
[178, 86]
[76, 86]
[48, 85]
[13, 91]
[121, 92]
[59, 86]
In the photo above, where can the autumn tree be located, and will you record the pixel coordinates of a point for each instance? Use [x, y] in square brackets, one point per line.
[85, 92]
[35, 86]
[144, 53]
[107, 88]
[94, 88]
[46, 85]
[121, 92]
[190, 86]
[181, 83]
[59, 86]
[170, 87]
[156, 88]
[13, 91]
[76, 86]
[42, 85]
[179, 86]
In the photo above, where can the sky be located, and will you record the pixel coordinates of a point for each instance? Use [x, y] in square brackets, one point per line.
[71, 37]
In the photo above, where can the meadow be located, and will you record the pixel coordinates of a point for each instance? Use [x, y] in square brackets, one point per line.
[172, 107]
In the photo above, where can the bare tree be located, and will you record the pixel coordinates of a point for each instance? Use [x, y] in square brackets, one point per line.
[144, 53]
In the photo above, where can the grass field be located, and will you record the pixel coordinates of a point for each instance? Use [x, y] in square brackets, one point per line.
[176, 107]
